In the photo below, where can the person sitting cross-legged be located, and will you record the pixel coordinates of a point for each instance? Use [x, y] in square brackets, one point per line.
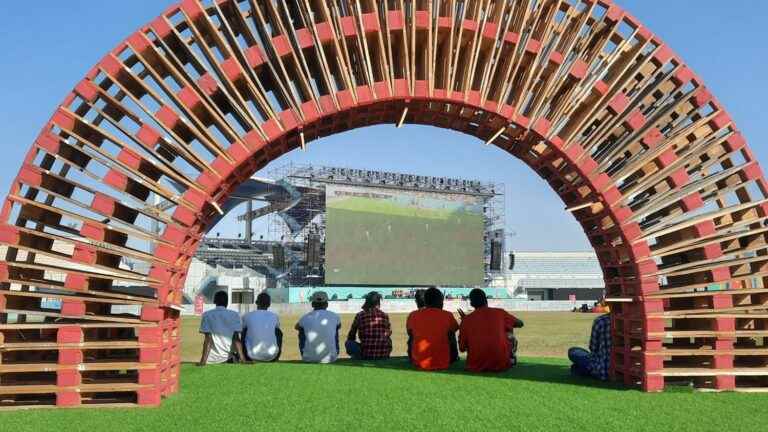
[319, 332]
[374, 330]
[262, 334]
[486, 336]
[596, 362]
[432, 334]
[221, 328]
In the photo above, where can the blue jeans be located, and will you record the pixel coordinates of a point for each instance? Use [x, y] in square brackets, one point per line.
[354, 349]
[580, 359]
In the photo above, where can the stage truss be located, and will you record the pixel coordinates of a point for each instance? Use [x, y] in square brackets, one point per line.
[315, 178]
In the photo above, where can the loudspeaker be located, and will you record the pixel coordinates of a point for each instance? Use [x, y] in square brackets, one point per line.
[313, 251]
[495, 255]
[511, 261]
[278, 257]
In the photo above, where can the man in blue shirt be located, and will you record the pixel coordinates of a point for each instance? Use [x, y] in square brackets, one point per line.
[596, 362]
[319, 332]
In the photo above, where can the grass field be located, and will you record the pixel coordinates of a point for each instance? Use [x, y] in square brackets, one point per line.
[538, 394]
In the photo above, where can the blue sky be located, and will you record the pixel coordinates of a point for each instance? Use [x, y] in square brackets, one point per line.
[47, 47]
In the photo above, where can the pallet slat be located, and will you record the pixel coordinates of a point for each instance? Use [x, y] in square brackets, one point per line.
[640, 152]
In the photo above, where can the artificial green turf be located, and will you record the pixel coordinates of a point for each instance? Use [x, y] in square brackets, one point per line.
[350, 396]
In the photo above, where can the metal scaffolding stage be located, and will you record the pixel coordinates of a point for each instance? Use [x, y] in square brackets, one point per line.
[292, 199]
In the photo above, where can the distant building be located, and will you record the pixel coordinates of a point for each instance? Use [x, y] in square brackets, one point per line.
[241, 284]
[552, 276]
[534, 276]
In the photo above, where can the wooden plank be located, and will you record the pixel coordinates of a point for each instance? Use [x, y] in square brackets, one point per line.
[83, 388]
[160, 132]
[84, 367]
[704, 372]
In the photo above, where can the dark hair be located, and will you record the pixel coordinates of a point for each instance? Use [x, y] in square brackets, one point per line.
[419, 297]
[221, 299]
[319, 305]
[433, 298]
[263, 300]
[477, 298]
[372, 299]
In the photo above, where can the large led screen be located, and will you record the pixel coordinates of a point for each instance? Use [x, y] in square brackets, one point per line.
[378, 236]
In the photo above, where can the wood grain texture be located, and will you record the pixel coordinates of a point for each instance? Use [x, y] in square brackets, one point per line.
[123, 181]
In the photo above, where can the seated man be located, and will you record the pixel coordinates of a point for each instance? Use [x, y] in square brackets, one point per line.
[596, 362]
[486, 336]
[262, 334]
[432, 334]
[375, 331]
[319, 332]
[601, 307]
[418, 297]
[221, 328]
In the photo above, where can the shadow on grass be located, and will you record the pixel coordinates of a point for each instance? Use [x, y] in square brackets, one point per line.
[527, 369]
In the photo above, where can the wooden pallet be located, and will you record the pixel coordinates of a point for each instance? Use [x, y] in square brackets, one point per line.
[167, 124]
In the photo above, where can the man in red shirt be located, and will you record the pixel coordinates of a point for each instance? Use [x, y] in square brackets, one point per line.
[485, 335]
[432, 334]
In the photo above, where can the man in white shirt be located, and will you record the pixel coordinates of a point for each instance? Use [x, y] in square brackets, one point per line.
[221, 328]
[262, 334]
[319, 332]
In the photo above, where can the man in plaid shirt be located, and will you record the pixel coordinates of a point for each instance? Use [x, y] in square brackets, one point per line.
[596, 362]
[374, 330]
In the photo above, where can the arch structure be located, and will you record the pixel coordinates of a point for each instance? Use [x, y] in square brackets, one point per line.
[123, 181]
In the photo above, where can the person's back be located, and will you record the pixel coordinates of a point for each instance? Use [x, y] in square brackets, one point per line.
[429, 330]
[373, 328]
[319, 330]
[220, 326]
[261, 336]
[375, 333]
[484, 337]
[321, 333]
[600, 347]
[596, 362]
[418, 297]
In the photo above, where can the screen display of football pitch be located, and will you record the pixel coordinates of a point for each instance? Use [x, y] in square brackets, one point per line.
[378, 236]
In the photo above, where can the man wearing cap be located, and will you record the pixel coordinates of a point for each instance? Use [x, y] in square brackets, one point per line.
[374, 329]
[319, 332]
